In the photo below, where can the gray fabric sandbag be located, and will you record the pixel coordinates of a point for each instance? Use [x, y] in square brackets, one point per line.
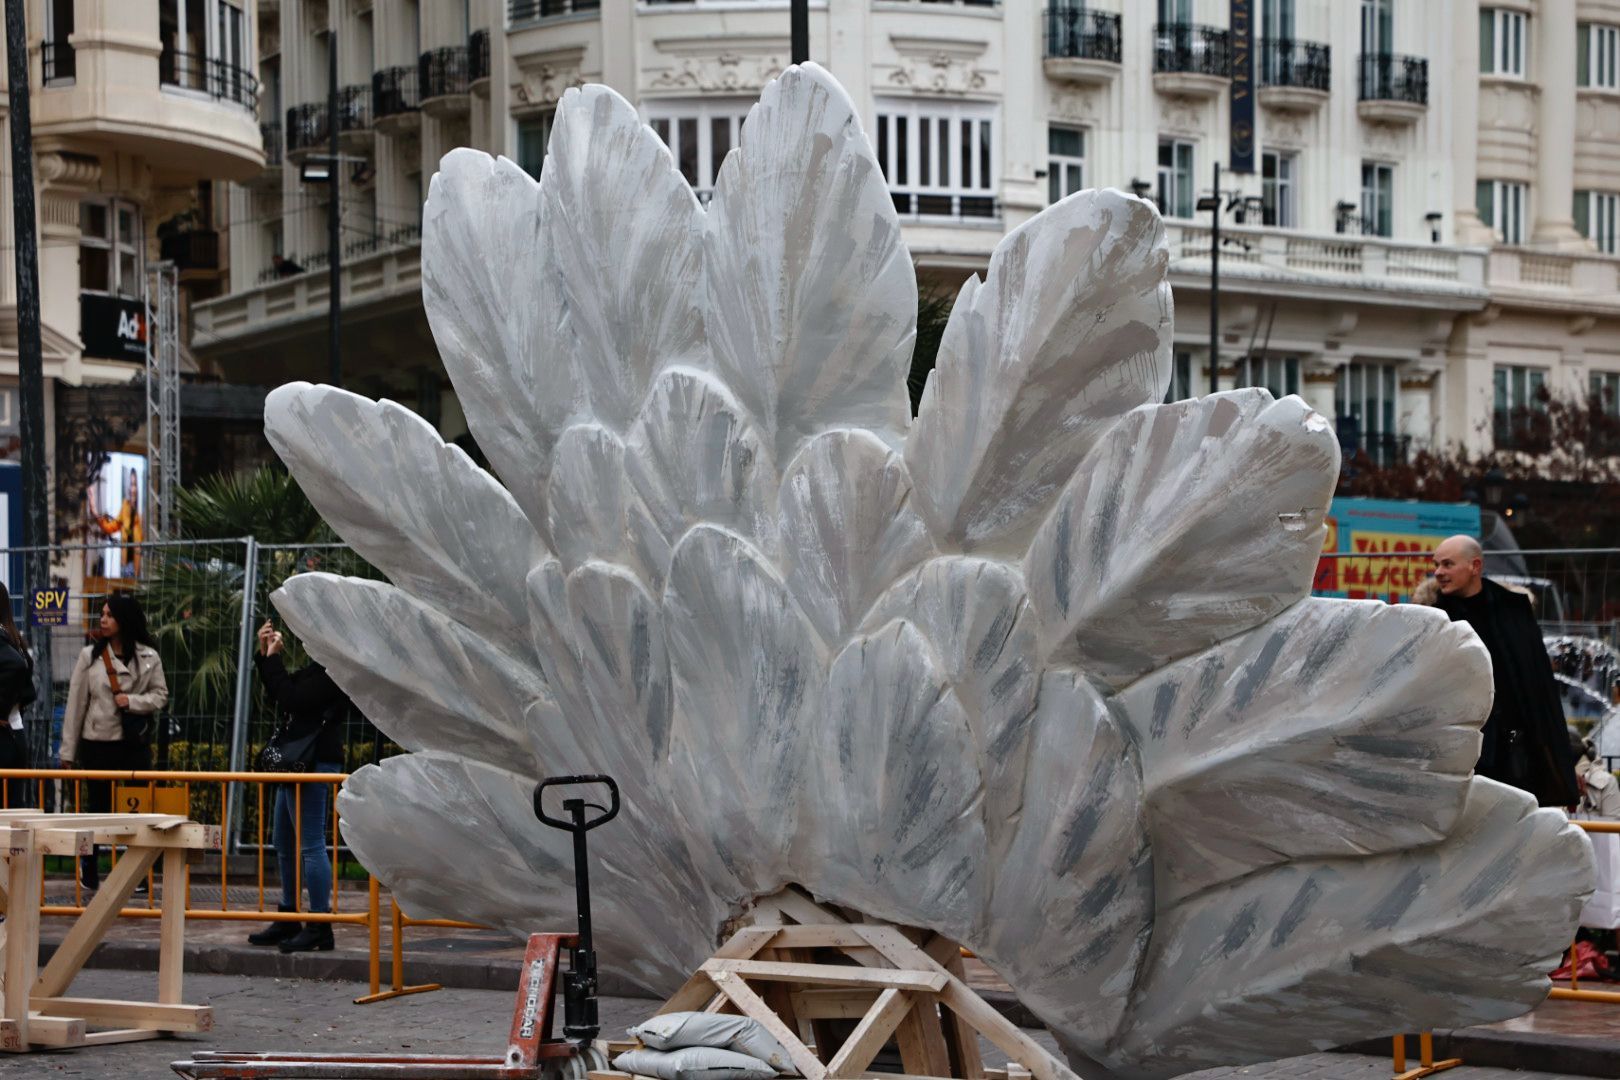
[694, 1063]
[672, 1031]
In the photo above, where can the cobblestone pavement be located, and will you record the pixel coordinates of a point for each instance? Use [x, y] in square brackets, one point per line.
[260, 1013]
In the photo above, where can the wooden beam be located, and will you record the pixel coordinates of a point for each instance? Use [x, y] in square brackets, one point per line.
[869, 1036]
[172, 931]
[833, 974]
[832, 1004]
[699, 991]
[55, 1031]
[135, 1014]
[754, 1007]
[922, 1041]
[121, 1035]
[91, 927]
[22, 931]
[818, 937]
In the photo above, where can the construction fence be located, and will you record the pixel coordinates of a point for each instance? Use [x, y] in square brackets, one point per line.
[204, 601]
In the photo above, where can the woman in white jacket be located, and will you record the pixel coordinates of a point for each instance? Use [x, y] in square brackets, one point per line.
[108, 729]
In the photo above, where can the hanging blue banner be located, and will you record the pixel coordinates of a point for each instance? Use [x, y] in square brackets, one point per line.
[1242, 121]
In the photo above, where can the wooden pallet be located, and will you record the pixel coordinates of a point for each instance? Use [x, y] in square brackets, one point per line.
[41, 1015]
[795, 978]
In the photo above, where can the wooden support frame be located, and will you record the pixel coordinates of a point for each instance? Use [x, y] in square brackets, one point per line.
[34, 1011]
[812, 966]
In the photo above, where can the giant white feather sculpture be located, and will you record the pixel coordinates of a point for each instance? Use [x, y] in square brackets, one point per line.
[1038, 671]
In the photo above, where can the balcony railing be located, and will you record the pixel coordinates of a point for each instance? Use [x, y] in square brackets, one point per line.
[478, 56]
[307, 128]
[216, 78]
[522, 11]
[442, 72]
[1383, 449]
[59, 60]
[1388, 77]
[354, 108]
[1300, 64]
[393, 91]
[1266, 251]
[271, 133]
[1074, 33]
[946, 206]
[194, 250]
[1185, 48]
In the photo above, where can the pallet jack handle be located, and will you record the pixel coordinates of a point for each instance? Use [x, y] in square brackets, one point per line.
[579, 984]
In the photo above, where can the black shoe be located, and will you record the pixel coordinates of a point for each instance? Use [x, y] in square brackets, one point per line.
[314, 937]
[276, 932]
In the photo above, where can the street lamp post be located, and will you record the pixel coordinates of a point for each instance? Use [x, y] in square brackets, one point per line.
[1212, 203]
[799, 30]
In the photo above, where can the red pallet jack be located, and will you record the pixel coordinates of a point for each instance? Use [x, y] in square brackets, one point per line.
[531, 1052]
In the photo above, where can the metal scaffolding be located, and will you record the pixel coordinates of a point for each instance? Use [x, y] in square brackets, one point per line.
[162, 397]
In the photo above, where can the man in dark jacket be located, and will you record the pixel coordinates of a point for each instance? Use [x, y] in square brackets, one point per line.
[310, 711]
[1524, 741]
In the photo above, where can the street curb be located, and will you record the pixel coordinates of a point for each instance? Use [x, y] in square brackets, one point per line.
[1476, 1046]
[1485, 1048]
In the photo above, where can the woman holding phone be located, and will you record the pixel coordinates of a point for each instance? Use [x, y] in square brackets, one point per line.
[116, 690]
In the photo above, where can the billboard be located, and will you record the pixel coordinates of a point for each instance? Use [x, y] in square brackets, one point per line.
[1381, 530]
[113, 506]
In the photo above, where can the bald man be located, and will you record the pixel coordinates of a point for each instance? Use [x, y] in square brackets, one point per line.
[1524, 742]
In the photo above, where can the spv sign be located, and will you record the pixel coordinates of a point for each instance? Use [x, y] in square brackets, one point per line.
[49, 607]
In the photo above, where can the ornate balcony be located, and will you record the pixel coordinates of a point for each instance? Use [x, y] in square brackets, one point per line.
[354, 117]
[307, 130]
[442, 79]
[1191, 61]
[394, 100]
[1295, 76]
[207, 75]
[1392, 89]
[1082, 46]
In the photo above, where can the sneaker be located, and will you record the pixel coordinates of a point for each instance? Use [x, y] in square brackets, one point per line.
[314, 937]
[141, 889]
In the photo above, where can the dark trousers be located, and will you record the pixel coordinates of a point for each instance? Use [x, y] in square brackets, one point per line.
[96, 795]
[14, 755]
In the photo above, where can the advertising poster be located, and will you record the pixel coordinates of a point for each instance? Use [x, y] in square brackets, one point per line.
[1382, 531]
[113, 507]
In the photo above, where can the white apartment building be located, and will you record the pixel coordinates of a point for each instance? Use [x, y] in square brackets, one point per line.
[1426, 236]
[137, 107]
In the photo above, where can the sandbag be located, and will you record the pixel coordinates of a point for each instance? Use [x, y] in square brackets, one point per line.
[673, 1031]
[694, 1063]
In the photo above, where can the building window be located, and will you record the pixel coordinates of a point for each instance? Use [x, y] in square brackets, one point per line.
[204, 46]
[1606, 392]
[1176, 178]
[1377, 198]
[110, 244]
[1520, 398]
[939, 159]
[1595, 216]
[1597, 56]
[1501, 42]
[1501, 206]
[1377, 27]
[699, 134]
[1277, 173]
[1178, 12]
[1181, 378]
[1277, 20]
[57, 57]
[533, 134]
[1065, 162]
[1366, 401]
[1279, 374]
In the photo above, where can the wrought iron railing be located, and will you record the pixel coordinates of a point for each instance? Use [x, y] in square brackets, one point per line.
[306, 127]
[955, 206]
[197, 249]
[477, 55]
[520, 11]
[210, 76]
[442, 72]
[1074, 33]
[354, 108]
[271, 133]
[394, 91]
[1191, 49]
[1301, 64]
[1388, 77]
[60, 60]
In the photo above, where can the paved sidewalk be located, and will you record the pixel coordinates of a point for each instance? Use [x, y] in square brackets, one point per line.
[261, 1013]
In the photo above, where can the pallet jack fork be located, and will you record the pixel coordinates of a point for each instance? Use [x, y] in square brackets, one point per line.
[531, 1053]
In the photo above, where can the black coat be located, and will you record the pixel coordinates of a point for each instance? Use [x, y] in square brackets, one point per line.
[1525, 742]
[310, 700]
[16, 680]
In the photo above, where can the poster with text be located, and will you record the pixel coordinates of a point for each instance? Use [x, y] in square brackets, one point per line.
[1385, 547]
[113, 508]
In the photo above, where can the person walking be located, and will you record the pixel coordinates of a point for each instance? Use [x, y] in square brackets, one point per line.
[16, 694]
[308, 737]
[116, 690]
[1524, 742]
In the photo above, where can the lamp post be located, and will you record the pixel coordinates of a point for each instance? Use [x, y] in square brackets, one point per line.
[799, 30]
[334, 267]
[1212, 203]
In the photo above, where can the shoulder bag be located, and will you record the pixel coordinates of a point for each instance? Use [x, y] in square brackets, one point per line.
[135, 727]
